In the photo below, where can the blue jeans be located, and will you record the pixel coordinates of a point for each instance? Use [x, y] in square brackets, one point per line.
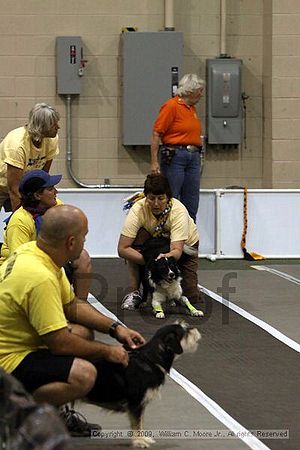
[183, 173]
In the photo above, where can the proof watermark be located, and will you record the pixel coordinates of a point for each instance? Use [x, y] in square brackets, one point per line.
[190, 434]
[224, 291]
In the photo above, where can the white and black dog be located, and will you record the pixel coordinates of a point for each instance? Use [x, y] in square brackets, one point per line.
[162, 278]
[129, 389]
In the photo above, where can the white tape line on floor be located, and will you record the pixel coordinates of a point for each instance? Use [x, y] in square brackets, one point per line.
[216, 410]
[265, 326]
[284, 275]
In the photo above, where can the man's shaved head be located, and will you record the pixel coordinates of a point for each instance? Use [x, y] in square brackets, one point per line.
[60, 222]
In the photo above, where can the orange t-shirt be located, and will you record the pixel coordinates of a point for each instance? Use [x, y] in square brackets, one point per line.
[178, 123]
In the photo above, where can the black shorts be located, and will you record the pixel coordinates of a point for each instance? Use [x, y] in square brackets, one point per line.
[42, 367]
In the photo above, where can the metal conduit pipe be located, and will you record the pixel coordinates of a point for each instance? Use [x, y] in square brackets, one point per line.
[69, 144]
[69, 155]
[169, 15]
[223, 28]
[169, 26]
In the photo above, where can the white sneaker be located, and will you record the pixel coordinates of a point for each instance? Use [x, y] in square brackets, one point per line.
[132, 300]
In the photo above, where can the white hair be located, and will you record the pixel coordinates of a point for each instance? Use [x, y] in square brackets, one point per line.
[188, 84]
[41, 119]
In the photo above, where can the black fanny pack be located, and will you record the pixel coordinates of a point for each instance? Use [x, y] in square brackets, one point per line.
[167, 153]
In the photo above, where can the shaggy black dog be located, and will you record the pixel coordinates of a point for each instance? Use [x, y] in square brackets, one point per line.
[129, 389]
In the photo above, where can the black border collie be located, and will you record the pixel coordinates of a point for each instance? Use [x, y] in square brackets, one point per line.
[162, 278]
[129, 389]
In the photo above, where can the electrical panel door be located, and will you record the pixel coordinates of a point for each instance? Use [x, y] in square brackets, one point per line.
[224, 108]
[151, 69]
[68, 65]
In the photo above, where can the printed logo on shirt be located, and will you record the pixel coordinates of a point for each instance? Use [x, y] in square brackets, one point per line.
[38, 162]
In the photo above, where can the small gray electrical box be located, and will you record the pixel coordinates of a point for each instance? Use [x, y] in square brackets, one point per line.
[68, 64]
[224, 108]
[151, 68]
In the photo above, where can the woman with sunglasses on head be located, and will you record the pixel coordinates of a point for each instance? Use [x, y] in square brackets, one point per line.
[156, 213]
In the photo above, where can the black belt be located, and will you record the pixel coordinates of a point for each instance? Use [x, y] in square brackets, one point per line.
[189, 148]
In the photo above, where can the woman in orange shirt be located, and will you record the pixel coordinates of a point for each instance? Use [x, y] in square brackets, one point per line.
[178, 128]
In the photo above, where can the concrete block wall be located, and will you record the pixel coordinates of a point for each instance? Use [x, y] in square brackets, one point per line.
[264, 34]
[286, 95]
[267, 178]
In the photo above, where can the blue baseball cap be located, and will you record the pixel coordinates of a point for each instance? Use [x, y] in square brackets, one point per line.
[37, 179]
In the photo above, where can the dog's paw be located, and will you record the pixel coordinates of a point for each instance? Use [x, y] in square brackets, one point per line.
[196, 313]
[160, 315]
[172, 303]
[142, 442]
[150, 440]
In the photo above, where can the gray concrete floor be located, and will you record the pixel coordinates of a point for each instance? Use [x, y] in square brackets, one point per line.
[264, 295]
[175, 410]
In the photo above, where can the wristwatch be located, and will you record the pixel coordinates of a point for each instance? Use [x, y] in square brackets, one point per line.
[112, 329]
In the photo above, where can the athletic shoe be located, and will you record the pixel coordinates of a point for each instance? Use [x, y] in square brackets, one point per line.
[132, 300]
[76, 423]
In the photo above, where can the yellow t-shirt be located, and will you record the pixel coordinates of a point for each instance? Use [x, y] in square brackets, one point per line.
[33, 291]
[179, 225]
[20, 229]
[18, 150]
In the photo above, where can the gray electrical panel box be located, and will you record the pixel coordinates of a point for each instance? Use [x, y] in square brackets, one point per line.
[68, 64]
[151, 68]
[224, 108]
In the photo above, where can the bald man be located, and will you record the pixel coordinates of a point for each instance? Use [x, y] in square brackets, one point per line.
[37, 302]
